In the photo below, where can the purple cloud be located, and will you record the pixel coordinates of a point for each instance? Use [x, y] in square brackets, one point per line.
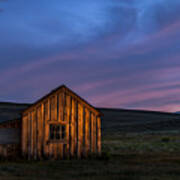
[119, 54]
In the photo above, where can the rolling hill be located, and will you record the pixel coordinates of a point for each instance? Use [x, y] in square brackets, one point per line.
[114, 120]
[122, 121]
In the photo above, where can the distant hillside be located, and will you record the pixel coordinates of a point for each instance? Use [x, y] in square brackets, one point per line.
[114, 120]
[10, 111]
[120, 121]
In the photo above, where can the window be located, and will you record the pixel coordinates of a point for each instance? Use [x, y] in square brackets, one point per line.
[57, 132]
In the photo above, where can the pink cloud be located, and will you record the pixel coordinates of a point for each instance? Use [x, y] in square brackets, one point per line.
[13, 79]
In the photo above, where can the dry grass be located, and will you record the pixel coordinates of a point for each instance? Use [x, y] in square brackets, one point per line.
[140, 143]
[129, 159]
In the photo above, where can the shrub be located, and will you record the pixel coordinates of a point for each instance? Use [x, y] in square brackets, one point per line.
[165, 139]
[105, 156]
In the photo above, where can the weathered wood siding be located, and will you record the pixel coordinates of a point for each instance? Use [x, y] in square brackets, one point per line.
[81, 121]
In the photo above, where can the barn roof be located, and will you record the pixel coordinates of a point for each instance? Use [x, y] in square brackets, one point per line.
[11, 111]
[68, 90]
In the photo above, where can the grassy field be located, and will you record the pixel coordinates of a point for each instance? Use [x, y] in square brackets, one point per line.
[128, 121]
[149, 156]
[154, 155]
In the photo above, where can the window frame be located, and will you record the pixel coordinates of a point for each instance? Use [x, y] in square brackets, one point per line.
[62, 133]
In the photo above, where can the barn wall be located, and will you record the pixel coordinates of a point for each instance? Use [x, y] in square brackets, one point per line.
[83, 132]
[10, 139]
[9, 150]
[9, 136]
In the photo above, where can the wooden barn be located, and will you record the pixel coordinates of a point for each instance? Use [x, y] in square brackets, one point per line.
[59, 125]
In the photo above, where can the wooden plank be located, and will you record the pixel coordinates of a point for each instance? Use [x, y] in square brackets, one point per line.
[87, 132]
[61, 107]
[55, 145]
[52, 109]
[42, 130]
[80, 130]
[39, 131]
[61, 150]
[50, 148]
[83, 133]
[67, 119]
[24, 135]
[58, 151]
[72, 128]
[99, 135]
[92, 133]
[55, 119]
[55, 108]
[53, 100]
[64, 150]
[35, 133]
[82, 102]
[32, 134]
[60, 120]
[46, 119]
[70, 124]
[76, 129]
[29, 135]
[55, 148]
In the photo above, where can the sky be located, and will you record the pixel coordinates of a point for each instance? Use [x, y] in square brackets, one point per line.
[113, 53]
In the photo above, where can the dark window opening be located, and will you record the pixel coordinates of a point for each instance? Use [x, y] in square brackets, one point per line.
[57, 132]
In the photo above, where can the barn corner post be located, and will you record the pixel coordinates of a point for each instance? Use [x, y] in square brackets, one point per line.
[43, 131]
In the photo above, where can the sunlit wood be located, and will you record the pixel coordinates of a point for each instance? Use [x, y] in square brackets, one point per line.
[76, 127]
